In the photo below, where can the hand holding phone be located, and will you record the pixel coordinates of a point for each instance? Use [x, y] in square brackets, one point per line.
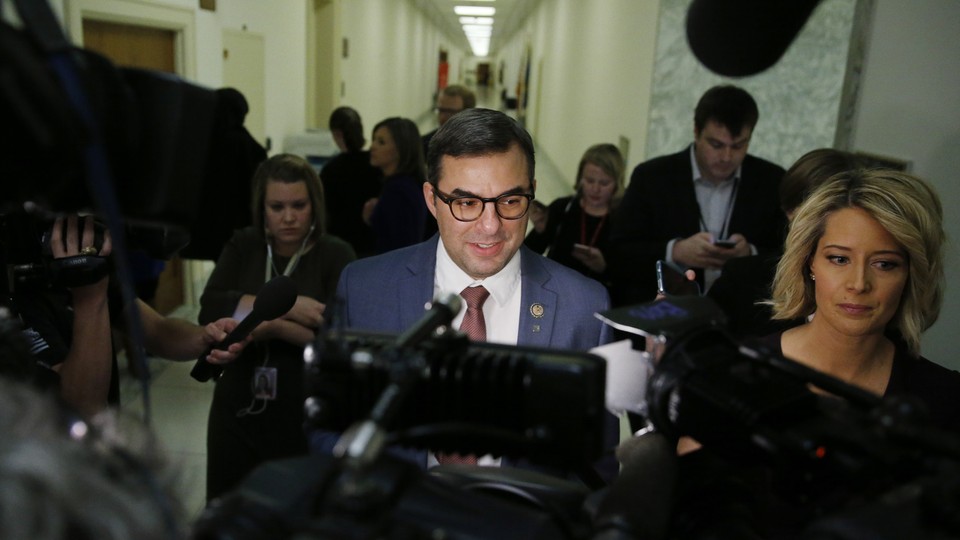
[672, 281]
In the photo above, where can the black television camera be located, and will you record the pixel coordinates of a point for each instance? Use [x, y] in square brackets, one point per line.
[853, 464]
[131, 146]
[835, 462]
[436, 391]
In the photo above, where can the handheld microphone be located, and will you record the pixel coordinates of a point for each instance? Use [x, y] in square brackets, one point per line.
[442, 310]
[274, 300]
[737, 38]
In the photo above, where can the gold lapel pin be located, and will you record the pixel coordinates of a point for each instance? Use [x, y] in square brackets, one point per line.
[536, 310]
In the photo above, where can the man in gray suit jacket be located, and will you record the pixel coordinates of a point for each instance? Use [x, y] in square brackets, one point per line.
[479, 188]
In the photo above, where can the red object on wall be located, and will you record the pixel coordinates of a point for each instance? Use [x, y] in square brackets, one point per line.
[442, 75]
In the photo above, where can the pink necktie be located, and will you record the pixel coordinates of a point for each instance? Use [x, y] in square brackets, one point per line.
[473, 324]
[475, 328]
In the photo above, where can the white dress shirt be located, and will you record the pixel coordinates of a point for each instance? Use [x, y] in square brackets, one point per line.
[501, 311]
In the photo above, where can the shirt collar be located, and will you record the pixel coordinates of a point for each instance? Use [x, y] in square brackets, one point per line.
[451, 278]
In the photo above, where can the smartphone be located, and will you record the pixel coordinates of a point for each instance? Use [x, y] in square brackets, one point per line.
[672, 281]
[724, 243]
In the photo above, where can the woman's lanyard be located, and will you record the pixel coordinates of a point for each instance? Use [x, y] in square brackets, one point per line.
[291, 264]
[727, 214]
[264, 383]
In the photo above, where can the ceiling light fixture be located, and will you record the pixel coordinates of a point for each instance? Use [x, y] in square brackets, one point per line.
[476, 20]
[477, 30]
[480, 45]
[475, 11]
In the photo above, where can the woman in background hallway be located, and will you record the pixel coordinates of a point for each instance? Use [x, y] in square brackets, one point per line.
[573, 230]
[349, 181]
[399, 216]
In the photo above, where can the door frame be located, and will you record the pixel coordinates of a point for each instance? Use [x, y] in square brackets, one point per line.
[182, 21]
[326, 48]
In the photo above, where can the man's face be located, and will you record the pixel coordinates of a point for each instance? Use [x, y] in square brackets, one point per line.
[719, 154]
[481, 248]
[448, 106]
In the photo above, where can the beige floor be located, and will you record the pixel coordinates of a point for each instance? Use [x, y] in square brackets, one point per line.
[179, 407]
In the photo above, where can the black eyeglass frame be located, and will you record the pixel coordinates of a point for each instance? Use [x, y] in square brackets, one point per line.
[449, 199]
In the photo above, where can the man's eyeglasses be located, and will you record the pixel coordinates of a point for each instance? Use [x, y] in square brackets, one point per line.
[441, 110]
[508, 205]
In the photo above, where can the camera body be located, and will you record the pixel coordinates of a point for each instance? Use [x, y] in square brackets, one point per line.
[25, 248]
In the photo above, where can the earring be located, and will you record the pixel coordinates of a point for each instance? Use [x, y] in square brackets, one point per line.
[813, 277]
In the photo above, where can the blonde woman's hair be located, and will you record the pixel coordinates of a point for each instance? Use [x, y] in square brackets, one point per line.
[609, 159]
[908, 208]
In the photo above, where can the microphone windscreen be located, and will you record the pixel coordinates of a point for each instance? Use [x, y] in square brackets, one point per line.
[737, 38]
[275, 298]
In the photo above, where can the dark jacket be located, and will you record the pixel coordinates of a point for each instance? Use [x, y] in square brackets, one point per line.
[660, 204]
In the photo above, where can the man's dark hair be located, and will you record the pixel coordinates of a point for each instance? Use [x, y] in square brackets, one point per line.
[474, 133]
[810, 171]
[465, 94]
[233, 105]
[348, 122]
[728, 105]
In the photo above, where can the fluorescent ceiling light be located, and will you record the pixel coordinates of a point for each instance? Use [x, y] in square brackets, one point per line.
[480, 48]
[477, 11]
[476, 20]
[477, 30]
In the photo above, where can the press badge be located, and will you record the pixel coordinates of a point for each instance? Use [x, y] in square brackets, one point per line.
[265, 383]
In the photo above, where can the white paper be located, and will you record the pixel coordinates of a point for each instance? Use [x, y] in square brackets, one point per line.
[628, 371]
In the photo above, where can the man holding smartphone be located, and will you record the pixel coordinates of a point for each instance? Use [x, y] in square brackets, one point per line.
[700, 207]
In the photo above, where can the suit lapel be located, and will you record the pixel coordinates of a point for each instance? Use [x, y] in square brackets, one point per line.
[538, 302]
[690, 209]
[415, 290]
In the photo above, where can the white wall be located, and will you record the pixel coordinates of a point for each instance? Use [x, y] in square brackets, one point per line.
[591, 77]
[910, 109]
[285, 56]
[391, 69]
[392, 66]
